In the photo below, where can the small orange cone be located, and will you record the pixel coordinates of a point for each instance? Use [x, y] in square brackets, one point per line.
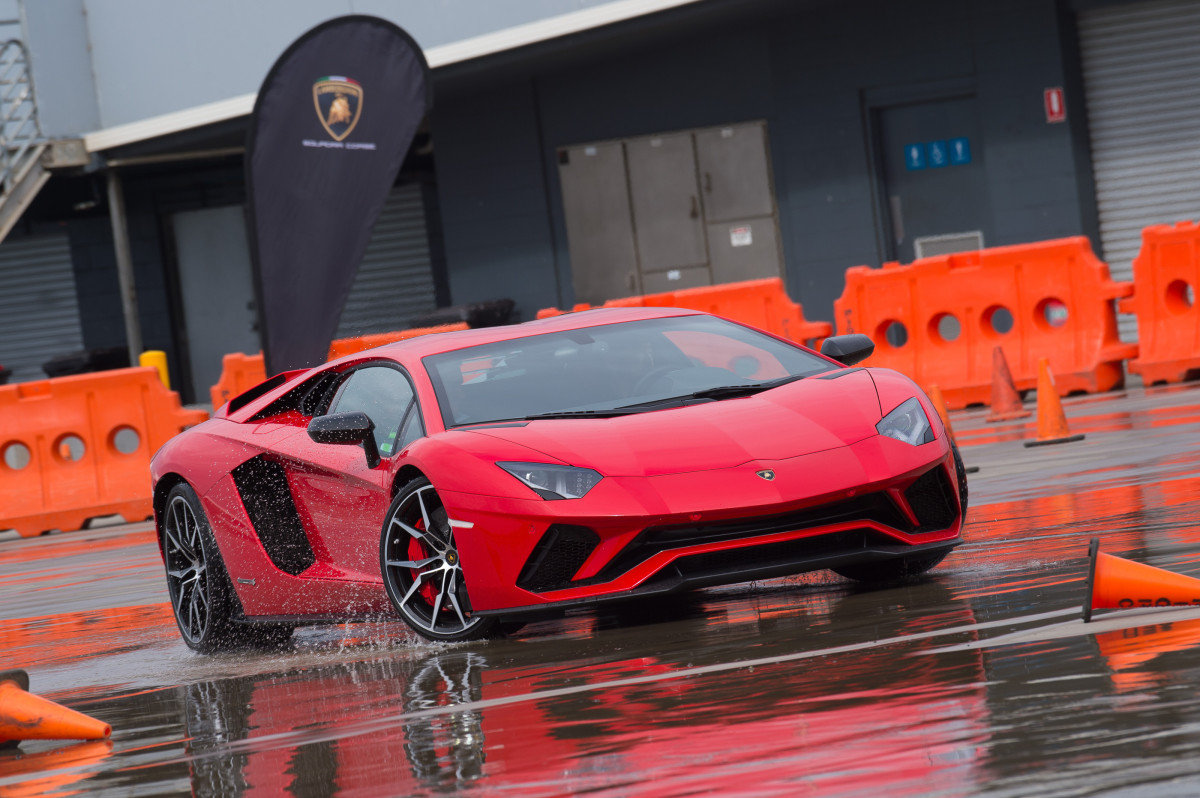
[1006, 402]
[1117, 583]
[24, 716]
[1052, 422]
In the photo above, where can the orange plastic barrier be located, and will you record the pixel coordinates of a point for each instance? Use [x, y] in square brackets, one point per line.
[79, 447]
[939, 319]
[349, 346]
[1166, 272]
[759, 303]
[241, 372]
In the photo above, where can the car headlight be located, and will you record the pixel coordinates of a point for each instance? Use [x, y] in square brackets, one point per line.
[907, 423]
[554, 481]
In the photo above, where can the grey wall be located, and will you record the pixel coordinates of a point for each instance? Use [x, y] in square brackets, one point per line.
[56, 40]
[495, 216]
[150, 201]
[151, 57]
[812, 72]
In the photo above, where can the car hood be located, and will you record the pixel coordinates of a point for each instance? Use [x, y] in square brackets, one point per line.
[803, 417]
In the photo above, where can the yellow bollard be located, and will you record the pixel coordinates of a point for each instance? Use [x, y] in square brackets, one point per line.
[158, 359]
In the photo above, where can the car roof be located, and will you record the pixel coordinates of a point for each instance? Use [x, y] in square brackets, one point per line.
[433, 344]
[436, 343]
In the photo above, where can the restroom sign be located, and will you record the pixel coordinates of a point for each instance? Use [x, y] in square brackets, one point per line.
[1056, 108]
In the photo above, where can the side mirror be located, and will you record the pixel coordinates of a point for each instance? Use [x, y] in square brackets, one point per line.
[848, 349]
[347, 428]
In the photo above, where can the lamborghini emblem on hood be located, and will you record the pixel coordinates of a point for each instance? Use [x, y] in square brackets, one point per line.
[766, 474]
[339, 103]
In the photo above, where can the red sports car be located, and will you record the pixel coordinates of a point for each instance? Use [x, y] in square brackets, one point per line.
[470, 480]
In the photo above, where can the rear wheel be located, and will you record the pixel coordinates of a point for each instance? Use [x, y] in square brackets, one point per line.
[202, 596]
[421, 568]
[199, 593]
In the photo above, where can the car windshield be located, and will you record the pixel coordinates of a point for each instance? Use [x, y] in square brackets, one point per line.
[613, 369]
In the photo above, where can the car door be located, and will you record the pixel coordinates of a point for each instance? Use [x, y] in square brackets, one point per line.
[340, 500]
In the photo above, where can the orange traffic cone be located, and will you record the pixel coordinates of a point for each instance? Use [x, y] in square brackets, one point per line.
[24, 716]
[939, 404]
[1117, 583]
[1006, 402]
[1052, 422]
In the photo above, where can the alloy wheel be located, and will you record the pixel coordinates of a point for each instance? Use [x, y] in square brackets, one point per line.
[422, 569]
[187, 570]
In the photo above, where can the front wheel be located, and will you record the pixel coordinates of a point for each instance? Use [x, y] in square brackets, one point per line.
[898, 569]
[421, 568]
[960, 472]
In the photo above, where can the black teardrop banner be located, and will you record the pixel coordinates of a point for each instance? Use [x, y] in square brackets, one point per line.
[330, 129]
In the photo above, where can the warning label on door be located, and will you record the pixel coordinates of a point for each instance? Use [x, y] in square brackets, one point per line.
[740, 236]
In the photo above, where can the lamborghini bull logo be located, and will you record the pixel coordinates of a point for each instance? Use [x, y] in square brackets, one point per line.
[339, 102]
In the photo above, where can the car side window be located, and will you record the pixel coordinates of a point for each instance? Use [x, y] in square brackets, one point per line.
[412, 428]
[386, 396]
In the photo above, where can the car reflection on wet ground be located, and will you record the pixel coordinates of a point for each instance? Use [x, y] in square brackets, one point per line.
[981, 680]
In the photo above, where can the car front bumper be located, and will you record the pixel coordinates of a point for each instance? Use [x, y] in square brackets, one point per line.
[636, 536]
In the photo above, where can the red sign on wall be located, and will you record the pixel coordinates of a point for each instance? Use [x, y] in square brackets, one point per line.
[1056, 109]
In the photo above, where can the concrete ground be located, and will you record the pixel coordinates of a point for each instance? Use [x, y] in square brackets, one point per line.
[979, 680]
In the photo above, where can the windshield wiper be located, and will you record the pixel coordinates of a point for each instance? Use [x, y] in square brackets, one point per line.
[620, 411]
[732, 391]
[710, 394]
[719, 392]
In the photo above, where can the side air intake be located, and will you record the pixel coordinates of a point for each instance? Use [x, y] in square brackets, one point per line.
[263, 486]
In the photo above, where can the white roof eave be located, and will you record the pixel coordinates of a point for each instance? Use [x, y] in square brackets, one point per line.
[442, 55]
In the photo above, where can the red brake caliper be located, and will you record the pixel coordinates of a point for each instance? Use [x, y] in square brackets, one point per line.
[419, 551]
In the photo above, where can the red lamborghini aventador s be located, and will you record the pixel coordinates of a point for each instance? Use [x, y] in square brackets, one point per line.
[469, 480]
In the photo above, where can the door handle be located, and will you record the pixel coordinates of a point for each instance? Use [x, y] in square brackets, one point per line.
[695, 214]
[708, 182]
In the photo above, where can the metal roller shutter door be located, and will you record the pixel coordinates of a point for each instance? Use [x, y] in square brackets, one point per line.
[39, 312]
[394, 283]
[1141, 69]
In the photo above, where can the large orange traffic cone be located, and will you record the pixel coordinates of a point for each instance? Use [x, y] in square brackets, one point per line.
[1117, 583]
[1052, 422]
[24, 716]
[1006, 402]
[939, 404]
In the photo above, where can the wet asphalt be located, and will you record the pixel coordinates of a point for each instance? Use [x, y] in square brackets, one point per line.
[981, 679]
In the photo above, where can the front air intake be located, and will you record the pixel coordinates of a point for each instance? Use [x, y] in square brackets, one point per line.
[557, 557]
[932, 500]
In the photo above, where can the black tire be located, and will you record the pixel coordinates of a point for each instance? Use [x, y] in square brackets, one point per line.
[201, 595]
[263, 635]
[421, 569]
[904, 568]
[898, 569]
[961, 472]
